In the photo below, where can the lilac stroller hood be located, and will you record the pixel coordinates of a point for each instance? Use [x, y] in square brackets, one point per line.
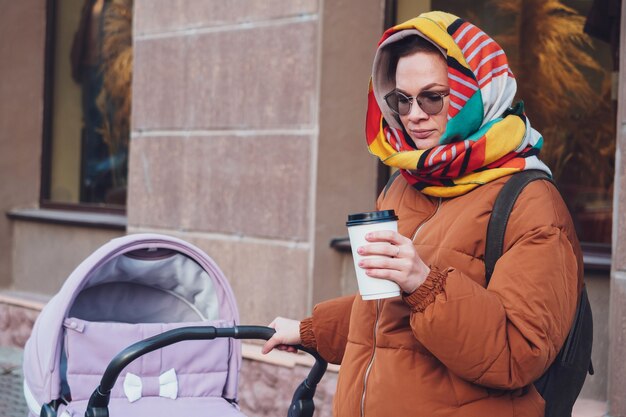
[131, 288]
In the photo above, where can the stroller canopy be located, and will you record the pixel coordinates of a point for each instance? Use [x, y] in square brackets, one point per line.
[140, 278]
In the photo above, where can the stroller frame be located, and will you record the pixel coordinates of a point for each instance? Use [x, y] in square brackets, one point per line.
[183, 282]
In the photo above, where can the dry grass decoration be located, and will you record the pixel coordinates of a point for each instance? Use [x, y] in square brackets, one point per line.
[577, 122]
[114, 100]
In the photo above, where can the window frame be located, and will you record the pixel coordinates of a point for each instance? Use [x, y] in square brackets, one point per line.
[47, 137]
[597, 257]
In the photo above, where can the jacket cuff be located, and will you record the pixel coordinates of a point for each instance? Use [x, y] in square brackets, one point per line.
[307, 337]
[425, 294]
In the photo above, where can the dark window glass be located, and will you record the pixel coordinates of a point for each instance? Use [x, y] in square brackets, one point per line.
[564, 56]
[89, 69]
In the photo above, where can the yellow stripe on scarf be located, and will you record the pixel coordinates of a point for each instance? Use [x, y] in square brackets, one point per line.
[503, 138]
[469, 182]
[380, 147]
[435, 26]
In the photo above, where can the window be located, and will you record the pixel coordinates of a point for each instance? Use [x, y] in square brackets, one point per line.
[578, 123]
[87, 104]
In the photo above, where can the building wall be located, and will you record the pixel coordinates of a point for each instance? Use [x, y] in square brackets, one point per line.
[617, 317]
[240, 102]
[44, 255]
[598, 291]
[346, 172]
[22, 38]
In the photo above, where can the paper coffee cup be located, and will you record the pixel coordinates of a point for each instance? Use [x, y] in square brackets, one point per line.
[359, 225]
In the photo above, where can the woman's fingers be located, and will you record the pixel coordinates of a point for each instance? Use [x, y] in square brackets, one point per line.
[391, 256]
[276, 344]
[390, 274]
[384, 263]
[383, 249]
[287, 348]
[389, 236]
[287, 333]
[269, 345]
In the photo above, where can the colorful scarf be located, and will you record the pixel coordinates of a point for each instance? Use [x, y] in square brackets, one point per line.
[485, 138]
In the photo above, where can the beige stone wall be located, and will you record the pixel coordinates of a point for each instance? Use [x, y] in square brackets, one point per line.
[44, 255]
[22, 36]
[617, 353]
[265, 390]
[345, 180]
[617, 318]
[598, 291]
[248, 138]
[16, 324]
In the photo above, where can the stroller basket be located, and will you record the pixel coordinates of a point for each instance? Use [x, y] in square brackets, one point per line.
[302, 402]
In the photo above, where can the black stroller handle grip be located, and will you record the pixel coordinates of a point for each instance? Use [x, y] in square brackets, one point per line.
[99, 400]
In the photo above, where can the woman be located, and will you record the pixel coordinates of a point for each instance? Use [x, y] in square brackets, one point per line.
[439, 110]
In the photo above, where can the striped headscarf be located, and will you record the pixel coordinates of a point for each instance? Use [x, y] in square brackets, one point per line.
[485, 138]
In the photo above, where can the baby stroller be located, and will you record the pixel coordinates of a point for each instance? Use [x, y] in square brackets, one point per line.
[113, 318]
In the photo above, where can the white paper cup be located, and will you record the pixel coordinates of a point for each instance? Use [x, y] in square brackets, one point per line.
[359, 225]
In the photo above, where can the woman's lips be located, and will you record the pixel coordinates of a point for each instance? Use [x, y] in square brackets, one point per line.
[422, 134]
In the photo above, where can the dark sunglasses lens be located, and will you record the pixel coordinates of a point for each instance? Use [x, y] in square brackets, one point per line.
[392, 101]
[430, 103]
[404, 104]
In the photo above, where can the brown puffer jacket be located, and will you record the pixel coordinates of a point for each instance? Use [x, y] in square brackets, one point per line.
[454, 348]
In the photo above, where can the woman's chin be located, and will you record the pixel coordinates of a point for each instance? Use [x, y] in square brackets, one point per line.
[426, 143]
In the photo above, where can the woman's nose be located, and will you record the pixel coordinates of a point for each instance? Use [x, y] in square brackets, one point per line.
[416, 112]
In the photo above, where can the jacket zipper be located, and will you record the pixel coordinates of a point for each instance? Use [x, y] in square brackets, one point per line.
[369, 366]
[371, 362]
[427, 220]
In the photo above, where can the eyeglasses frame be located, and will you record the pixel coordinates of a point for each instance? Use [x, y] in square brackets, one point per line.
[414, 98]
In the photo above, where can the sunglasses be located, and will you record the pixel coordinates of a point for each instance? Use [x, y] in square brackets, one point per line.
[431, 102]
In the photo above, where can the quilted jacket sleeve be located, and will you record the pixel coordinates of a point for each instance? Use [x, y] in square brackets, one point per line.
[506, 336]
[327, 330]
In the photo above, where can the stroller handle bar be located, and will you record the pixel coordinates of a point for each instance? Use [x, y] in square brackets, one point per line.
[302, 402]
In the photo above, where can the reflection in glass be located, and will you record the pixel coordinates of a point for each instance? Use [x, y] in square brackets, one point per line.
[91, 101]
[560, 52]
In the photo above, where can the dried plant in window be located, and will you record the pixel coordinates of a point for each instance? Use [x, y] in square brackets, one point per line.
[114, 100]
[553, 66]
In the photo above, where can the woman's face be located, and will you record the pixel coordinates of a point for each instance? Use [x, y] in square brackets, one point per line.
[418, 73]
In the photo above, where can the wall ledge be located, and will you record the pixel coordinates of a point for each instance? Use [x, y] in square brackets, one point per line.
[70, 218]
[250, 350]
[28, 300]
[596, 257]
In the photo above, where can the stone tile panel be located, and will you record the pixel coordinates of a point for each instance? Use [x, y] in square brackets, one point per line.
[619, 222]
[256, 78]
[268, 280]
[265, 390]
[16, 324]
[598, 289]
[617, 346]
[157, 16]
[44, 255]
[159, 82]
[155, 182]
[239, 185]
[248, 185]
[22, 42]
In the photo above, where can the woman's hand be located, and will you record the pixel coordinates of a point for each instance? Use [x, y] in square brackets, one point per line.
[287, 333]
[393, 257]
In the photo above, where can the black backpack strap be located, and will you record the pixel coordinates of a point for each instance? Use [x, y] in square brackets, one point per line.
[500, 215]
[562, 382]
[391, 180]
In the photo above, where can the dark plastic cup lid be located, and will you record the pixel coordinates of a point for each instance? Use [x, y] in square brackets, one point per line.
[358, 219]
